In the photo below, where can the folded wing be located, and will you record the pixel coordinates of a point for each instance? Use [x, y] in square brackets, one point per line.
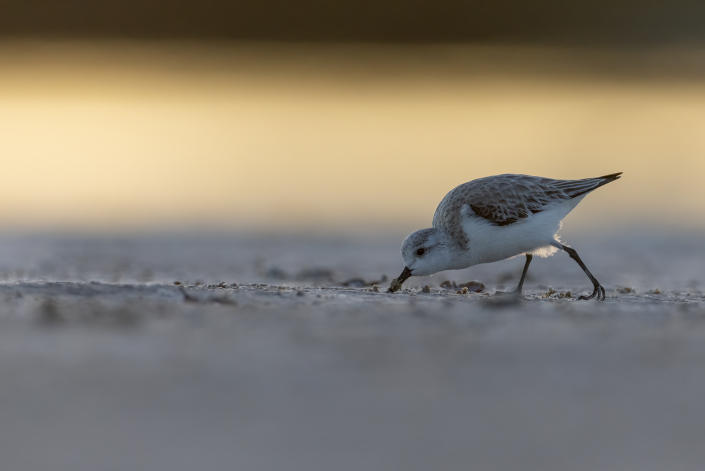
[506, 199]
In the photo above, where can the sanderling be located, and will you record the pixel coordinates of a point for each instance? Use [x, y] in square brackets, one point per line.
[495, 218]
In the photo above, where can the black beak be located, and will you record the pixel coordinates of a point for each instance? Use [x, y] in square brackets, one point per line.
[396, 282]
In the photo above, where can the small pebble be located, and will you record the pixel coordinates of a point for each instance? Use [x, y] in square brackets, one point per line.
[375, 288]
[552, 293]
[177, 283]
[426, 289]
[465, 290]
[474, 286]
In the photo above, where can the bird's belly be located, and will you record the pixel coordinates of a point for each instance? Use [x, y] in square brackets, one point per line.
[489, 243]
[497, 250]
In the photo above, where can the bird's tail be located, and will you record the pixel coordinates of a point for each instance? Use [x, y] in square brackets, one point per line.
[575, 188]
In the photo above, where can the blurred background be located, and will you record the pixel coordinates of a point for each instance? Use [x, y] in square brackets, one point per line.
[197, 196]
[330, 117]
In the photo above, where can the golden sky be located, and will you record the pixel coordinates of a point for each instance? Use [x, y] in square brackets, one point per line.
[128, 136]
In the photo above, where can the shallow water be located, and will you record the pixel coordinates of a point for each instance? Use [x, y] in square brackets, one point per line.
[106, 362]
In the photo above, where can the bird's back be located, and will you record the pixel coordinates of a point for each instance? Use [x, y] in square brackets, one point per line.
[507, 199]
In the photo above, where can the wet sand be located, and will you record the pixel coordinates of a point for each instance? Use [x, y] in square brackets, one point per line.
[262, 359]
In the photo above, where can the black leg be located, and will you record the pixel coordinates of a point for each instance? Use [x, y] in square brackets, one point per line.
[523, 274]
[599, 291]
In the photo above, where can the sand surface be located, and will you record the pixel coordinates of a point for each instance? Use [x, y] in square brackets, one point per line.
[262, 360]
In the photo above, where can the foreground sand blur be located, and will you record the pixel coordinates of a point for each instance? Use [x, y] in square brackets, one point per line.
[105, 361]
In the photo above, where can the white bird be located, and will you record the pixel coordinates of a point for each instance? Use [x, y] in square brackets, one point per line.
[495, 218]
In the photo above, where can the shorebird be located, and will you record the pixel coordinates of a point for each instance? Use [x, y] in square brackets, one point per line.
[495, 218]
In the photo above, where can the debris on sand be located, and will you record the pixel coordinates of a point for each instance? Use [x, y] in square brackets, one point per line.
[552, 293]
[426, 289]
[654, 291]
[375, 288]
[190, 298]
[472, 286]
[360, 282]
[222, 285]
[626, 290]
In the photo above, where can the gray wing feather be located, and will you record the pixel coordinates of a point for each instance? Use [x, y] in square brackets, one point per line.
[506, 199]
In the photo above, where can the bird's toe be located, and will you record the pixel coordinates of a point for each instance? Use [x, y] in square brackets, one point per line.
[598, 293]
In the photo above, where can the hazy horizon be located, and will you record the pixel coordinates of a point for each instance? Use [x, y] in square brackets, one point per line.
[103, 136]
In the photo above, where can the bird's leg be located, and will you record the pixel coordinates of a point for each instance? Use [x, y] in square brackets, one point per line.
[523, 274]
[599, 291]
[517, 292]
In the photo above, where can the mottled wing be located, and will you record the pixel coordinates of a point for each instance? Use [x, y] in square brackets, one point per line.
[506, 199]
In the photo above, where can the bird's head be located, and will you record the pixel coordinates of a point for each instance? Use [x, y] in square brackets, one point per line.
[424, 252]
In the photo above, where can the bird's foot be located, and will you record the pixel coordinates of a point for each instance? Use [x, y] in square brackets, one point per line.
[598, 293]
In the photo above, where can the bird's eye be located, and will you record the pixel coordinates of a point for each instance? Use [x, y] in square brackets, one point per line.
[420, 252]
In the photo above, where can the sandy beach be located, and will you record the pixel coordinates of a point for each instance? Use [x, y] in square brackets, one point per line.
[261, 358]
